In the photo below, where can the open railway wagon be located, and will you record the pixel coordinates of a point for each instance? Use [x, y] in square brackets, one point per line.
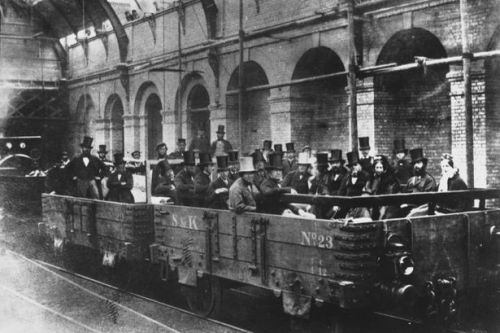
[425, 268]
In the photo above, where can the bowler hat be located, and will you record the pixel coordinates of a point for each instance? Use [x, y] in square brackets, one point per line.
[160, 145]
[220, 129]
[205, 159]
[303, 159]
[246, 164]
[278, 148]
[267, 144]
[417, 155]
[87, 142]
[119, 159]
[290, 147]
[399, 146]
[322, 159]
[336, 156]
[102, 149]
[364, 143]
[257, 156]
[275, 161]
[189, 158]
[233, 156]
[352, 158]
[222, 162]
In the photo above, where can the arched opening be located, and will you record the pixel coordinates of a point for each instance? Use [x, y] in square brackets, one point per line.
[414, 104]
[113, 132]
[197, 107]
[85, 113]
[318, 109]
[153, 108]
[256, 120]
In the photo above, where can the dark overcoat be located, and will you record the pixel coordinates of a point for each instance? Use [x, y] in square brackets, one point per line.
[298, 181]
[184, 186]
[120, 186]
[218, 200]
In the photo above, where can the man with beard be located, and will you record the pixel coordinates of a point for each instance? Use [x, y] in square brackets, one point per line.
[402, 167]
[85, 170]
[243, 193]
[104, 173]
[234, 166]
[218, 190]
[120, 182]
[184, 182]
[202, 179]
[290, 162]
[319, 184]
[220, 146]
[299, 179]
[260, 166]
[181, 148]
[421, 181]
[366, 159]
[337, 171]
[161, 170]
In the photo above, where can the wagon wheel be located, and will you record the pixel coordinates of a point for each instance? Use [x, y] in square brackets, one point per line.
[206, 298]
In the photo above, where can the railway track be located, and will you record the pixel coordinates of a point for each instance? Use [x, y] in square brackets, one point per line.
[88, 305]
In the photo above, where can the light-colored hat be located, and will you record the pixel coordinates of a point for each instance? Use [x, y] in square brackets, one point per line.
[303, 158]
[246, 164]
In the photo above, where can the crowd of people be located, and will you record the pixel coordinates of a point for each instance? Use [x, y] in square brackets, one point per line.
[217, 177]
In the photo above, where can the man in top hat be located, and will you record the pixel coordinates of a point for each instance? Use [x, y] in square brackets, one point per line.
[181, 148]
[201, 143]
[267, 149]
[299, 178]
[403, 170]
[202, 179]
[356, 180]
[243, 193]
[220, 146]
[85, 169]
[290, 160]
[337, 172]
[421, 180]
[161, 170]
[218, 190]
[260, 166]
[319, 181]
[120, 182]
[184, 182]
[104, 174]
[365, 159]
[234, 166]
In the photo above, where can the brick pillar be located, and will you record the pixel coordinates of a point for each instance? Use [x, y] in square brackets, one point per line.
[366, 111]
[130, 133]
[141, 133]
[101, 127]
[169, 129]
[455, 77]
[280, 112]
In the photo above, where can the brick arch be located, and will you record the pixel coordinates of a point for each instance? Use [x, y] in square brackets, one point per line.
[318, 109]
[148, 103]
[113, 129]
[256, 120]
[415, 104]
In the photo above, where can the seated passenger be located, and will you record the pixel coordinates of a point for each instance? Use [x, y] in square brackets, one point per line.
[218, 190]
[260, 166]
[319, 183]
[234, 166]
[202, 179]
[402, 167]
[290, 161]
[120, 182]
[244, 193]
[451, 181]
[421, 180]
[298, 179]
[184, 182]
[337, 172]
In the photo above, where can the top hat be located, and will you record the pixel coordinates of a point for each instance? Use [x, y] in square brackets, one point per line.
[267, 144]
[290, 147]
[352, 158]
[303, 159]
[275, 161]
[233, 156]
[336, 156]
[364, 143]
[246, 164]
[278, 148]
[257, 156]
[119, 159]
[181, 140]
[399, 146]
[222, 162]
[220, 129]
[102, 149]
[417, 155]
[205, 159]
[160, 145]
[322, 159]
[189, 158]
[87, 142]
